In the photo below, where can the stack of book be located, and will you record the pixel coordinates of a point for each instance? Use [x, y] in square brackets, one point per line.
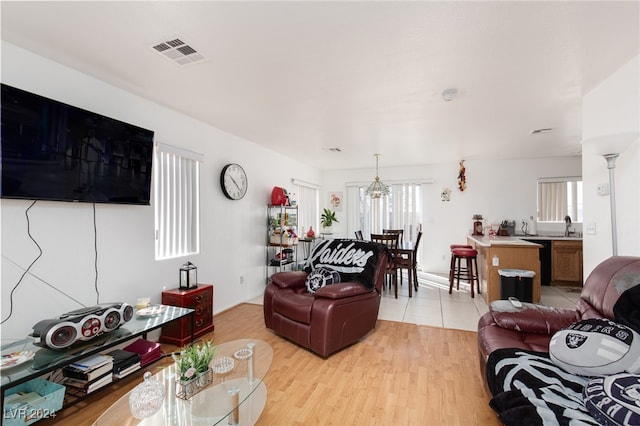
[90, 373]
[124, 362]
[148, 351]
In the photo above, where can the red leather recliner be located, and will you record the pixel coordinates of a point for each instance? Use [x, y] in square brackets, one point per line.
[331, 319]
[532, 326]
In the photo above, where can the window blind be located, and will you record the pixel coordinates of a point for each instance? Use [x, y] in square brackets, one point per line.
[177, 202]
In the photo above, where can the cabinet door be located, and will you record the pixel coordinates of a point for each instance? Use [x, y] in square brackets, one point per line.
[567, 261]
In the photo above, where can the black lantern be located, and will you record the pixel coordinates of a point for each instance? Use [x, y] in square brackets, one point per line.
[188, 276]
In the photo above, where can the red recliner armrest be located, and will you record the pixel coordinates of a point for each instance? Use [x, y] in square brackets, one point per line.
[342, 290]
[532, 318]
[289, 279]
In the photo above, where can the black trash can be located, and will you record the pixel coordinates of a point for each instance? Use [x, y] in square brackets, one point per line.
[516, 283]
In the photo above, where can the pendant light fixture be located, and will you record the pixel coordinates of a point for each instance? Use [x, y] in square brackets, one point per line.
[377, 189]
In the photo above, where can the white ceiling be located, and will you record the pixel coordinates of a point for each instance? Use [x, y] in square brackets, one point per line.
[366, 77]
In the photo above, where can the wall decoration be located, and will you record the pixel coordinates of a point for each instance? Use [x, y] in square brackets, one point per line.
[335, 201]
[445, 195]
[462, 178]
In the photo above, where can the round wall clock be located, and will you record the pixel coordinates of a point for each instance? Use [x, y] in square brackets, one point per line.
[233, 181]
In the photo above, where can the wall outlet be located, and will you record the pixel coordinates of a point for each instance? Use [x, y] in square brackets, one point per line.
[241, 279]
[496, 261]
[603, 189]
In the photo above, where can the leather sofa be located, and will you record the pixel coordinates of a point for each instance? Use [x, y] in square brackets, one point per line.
[336, 315]
[530, 327]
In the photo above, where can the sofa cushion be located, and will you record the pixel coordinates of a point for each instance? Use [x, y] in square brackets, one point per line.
[531, 318]
[321, 277]
[627, 308]
[606, 283]
[614, 400]
[294, 305]
[595, 347]
[289, 279]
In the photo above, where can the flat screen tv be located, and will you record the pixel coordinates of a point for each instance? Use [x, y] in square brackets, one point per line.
[58, 152]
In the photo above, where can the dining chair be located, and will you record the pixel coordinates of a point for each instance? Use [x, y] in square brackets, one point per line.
[395, 231]
[391, 241]
[359, 235]
[411, 263]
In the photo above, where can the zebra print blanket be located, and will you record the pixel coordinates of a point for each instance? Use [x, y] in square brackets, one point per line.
[528, 389]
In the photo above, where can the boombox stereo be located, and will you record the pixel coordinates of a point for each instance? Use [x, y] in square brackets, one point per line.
[81, 324]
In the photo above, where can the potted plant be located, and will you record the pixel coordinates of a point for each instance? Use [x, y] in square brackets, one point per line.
[192, 368]
[327, 218]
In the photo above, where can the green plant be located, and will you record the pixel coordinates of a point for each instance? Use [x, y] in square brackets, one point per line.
[194, 359]
[327, 218]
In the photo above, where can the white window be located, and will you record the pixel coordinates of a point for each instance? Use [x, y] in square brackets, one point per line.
[557, 199]
[176, 175]
[307, 196]
[401, 209]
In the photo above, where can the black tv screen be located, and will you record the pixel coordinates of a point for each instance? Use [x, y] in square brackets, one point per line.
[54, 151]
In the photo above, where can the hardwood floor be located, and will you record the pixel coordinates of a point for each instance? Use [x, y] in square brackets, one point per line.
[401, 374]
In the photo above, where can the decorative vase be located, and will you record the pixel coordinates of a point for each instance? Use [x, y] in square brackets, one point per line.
[204, 378]
[311, 233]
[185, 389]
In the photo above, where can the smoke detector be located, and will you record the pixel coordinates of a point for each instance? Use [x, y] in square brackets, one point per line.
[450, 94]
[178, 51]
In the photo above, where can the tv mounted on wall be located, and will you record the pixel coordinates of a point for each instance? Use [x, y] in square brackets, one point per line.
[58, 152]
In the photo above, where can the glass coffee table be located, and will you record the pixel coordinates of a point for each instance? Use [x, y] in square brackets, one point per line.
[231, 395]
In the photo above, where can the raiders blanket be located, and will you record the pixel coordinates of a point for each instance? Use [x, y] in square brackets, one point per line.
[354, 260]
[528, 389]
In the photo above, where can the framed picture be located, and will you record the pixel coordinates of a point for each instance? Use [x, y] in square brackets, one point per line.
[335, 200]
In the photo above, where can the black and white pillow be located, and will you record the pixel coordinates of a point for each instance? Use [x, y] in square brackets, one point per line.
[614, 400]
[321, 277]
[596, 347]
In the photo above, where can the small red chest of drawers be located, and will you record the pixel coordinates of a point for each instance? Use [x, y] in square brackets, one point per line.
[200, 299]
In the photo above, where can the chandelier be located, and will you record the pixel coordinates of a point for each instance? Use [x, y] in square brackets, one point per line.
[377, 189]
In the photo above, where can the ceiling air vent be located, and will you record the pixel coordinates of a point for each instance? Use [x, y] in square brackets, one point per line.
[178, 51]
[539, 131]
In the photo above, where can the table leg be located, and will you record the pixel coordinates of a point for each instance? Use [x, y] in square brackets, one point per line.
[410, 273]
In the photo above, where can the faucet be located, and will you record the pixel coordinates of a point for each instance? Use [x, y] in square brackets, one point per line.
[567, 221]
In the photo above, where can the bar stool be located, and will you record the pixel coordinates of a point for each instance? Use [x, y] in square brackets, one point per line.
[452, 264]
[470, 273]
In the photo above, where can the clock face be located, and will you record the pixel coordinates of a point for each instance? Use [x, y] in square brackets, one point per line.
[233, 181]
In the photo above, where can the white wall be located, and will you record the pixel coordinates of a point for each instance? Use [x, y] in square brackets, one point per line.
[498, 190]
[233, 232]
[609, 110]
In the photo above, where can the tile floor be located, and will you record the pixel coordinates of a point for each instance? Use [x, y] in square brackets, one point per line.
[433, 305]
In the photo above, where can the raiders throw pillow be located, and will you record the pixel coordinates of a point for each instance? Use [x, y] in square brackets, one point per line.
[596, 347]
[320, 278]
[614, 400]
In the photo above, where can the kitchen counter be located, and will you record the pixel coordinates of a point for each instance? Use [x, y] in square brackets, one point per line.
[499, 241]
[517, 239]
[495, 253]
